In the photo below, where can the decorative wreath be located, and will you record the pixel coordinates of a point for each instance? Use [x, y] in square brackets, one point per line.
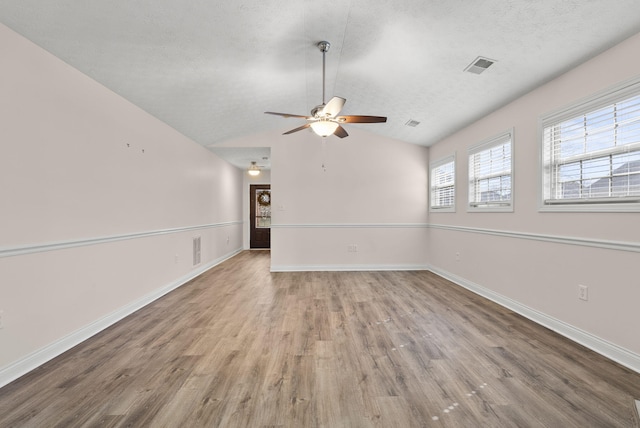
[264, 198]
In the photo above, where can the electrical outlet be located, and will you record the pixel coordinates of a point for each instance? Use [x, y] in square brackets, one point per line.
[227, 240]
[1, 320]
[457, 257]
[176, 258]
[352, 248]
[583, 292]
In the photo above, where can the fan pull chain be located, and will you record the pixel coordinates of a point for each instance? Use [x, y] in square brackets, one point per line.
[324, 153]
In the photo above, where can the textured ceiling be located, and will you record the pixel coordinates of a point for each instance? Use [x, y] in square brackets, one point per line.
[211, 68]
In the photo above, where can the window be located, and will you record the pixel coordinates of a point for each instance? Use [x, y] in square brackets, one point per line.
[591, 154]
[443, 178]
[490, 174]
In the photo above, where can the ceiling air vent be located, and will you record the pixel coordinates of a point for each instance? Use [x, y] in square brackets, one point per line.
[412, 123]
[479, 65]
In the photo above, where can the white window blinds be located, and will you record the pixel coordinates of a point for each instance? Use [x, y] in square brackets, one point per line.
[593, 155]
[443, 184]
[490, 173]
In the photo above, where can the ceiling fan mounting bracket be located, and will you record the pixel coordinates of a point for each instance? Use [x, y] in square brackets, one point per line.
[324, 46]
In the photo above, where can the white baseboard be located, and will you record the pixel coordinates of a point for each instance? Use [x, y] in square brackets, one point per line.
[614, 352]
[344, 268]
[37, 358]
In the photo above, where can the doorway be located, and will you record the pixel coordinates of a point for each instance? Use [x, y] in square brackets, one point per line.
[260, 216]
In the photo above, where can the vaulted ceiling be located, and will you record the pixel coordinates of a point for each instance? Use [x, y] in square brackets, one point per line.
[211, 68]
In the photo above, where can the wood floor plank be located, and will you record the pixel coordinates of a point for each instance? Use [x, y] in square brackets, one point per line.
[240, 346]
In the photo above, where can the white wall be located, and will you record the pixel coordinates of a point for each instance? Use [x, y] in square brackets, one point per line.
[535, 260]
[99, 205]
[372, 193]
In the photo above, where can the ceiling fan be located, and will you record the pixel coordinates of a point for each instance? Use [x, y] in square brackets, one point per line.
[324, 119]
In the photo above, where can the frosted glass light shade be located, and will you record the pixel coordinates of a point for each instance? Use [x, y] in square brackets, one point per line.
[324, 128]
[254, 169]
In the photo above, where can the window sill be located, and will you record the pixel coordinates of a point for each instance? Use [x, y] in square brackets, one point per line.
[620, 207]
[442, 210]
[490, 209]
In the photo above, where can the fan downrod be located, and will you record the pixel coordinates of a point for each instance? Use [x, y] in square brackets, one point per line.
[324, 47]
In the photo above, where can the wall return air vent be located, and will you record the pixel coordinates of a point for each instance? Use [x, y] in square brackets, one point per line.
[197, 248]
[479, 65]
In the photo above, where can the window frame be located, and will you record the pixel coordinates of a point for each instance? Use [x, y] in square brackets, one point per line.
[487, 144]
[591, 104]
[432, 167]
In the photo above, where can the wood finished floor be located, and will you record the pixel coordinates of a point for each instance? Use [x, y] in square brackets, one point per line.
[242, 347]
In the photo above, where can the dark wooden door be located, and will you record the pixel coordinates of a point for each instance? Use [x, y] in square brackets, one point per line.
[260, 216]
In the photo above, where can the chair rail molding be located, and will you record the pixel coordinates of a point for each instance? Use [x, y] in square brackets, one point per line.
[54, 246]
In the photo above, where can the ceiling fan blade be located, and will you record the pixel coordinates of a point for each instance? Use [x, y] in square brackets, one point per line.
[334, 106]
[287, 115]
[361, 119]
[299, 128]
[340, 132]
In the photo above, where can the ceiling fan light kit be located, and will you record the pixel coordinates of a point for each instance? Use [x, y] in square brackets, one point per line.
[324, 119]
[324, 128]
[254, 170]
